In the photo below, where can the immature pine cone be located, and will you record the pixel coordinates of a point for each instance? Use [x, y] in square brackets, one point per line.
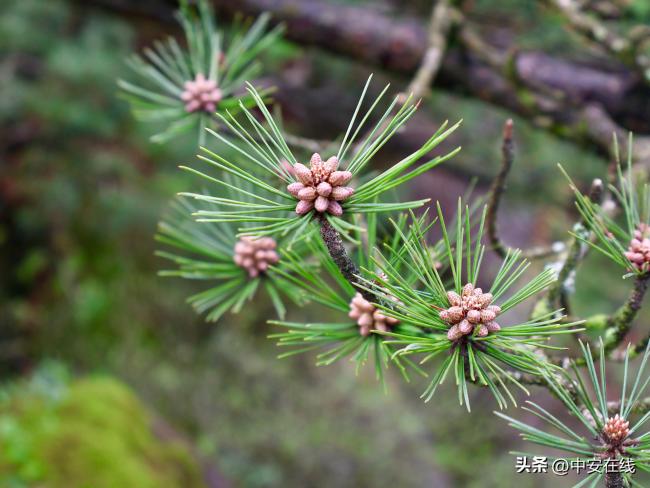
[201, 95]
[639, 250]
[616, 429]
[368, 316]
[470, 311]
[255, 255]
[320, 186]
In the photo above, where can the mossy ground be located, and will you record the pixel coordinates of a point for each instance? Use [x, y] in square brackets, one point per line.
[90, 433]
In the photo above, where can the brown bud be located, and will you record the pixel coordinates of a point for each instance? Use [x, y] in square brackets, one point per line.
[485, 299]
[255, 255]
[335, 208]
[338, 178]
[365, 320]
[465, 327]
[454, 298]
[495, 308]
[331, 164]
[294, 188]
[616, 429]
[474, 316]
[487, 315]
[303, 173]
[341, 192]
[455, 314]
[468, 289]
[304, 206]
[315, 160]
[324, 189]
[321, 204]
[493, 327]
[454, 333]
[307, 193]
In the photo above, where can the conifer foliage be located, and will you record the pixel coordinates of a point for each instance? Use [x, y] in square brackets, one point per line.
[331, 229]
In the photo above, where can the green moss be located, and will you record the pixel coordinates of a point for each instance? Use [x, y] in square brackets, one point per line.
[95, 434]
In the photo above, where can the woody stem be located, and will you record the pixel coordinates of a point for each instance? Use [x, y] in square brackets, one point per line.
[339, 255]
[614, 480]
[619, 323]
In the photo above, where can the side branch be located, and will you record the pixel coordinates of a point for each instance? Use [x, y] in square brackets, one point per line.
[628, 49]
[640, 407]
[339, 255]
[441, 20]
[497, 189]
[618, 325]
[575, 251]
[614, 480]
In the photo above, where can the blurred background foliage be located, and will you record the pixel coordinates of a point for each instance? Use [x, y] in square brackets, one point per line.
[110, 379]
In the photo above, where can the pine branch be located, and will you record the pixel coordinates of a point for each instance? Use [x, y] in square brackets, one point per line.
[533, 380]
[589, 98]
[640, 407]
[614, 480]
[590, 27]
[341, 258]
[640, 346]
[497, 189]
[618, 325]
[439, 24]
[575, 252]
[495, 194]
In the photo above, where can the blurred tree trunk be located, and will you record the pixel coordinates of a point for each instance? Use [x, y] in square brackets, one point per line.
[582, 102]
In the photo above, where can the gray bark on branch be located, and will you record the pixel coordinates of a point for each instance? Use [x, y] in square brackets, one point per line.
[581, 102]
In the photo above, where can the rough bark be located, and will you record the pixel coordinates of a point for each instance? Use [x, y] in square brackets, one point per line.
[621, 321]
[614, 480]
[339, 255]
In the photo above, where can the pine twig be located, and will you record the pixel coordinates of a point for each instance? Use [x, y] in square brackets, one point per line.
[575, 251]
[339, 255]
[497, 189]
[529, 380]
[618, 325]
[640, 407]
[439, 25]
[589, 26]
[442, 17]
[640, 347]
[593, 30]
[494, 200]
[614, 480]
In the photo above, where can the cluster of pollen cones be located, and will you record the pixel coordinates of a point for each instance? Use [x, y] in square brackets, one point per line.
[368, 316]
[616, 429]
[320, 186]
[638, 251]
[255, 255]
[201, 94]
[470, 311]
